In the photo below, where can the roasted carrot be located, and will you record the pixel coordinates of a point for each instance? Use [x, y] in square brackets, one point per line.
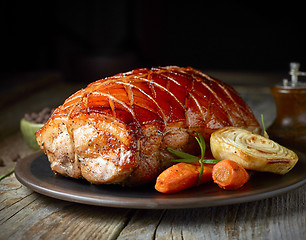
[182, 176]
[229, 175]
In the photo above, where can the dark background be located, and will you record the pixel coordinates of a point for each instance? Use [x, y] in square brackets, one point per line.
[87, 40]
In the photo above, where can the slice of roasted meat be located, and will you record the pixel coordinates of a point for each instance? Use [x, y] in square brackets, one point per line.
[116, 130]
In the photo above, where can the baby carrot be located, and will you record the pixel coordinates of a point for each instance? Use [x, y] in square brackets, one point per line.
[182, 176]
[229, 175]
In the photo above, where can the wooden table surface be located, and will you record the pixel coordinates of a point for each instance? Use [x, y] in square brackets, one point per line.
[25, 214]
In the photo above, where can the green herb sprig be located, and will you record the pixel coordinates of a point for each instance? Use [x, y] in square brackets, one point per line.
[265, 134]
[188, 158]
[7, 175]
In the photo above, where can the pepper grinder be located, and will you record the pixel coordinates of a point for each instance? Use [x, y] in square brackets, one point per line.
[289, 127]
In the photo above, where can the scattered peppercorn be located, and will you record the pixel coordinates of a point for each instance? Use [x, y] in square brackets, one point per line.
[2, 164]
[14, 157]
[41, 117]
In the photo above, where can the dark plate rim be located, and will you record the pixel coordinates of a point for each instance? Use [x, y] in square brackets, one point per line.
[152, 200]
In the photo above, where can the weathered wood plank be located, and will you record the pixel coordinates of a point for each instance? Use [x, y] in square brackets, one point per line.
[42, 90]
[142, 225]
[11, 149]
[28, 215]
[281, 217]
[11, 192]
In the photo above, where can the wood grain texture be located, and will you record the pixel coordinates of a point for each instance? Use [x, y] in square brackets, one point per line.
[28, 215]
[276, 218]
[34, 216]
[25, 214]
[38, 91]
[281, 217]
[10, 149]
[38, 217]
[142, 225]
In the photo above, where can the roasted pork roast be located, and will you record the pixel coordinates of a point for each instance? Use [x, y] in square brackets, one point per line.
[117, 129]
